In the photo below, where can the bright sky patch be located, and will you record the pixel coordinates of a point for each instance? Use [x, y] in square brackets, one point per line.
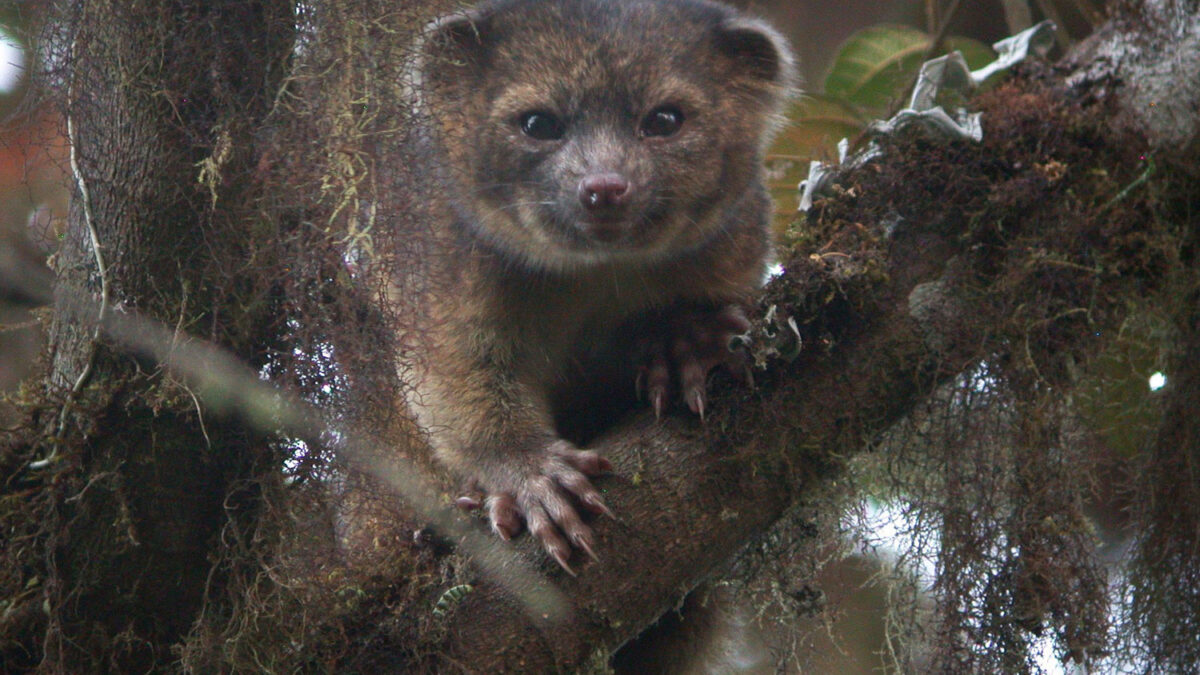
[12, 62]
[1157, 381]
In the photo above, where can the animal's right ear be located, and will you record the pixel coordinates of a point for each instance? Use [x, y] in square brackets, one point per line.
[761, 52]
[452, 48]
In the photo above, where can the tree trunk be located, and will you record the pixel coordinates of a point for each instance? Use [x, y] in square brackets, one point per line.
[143, 481]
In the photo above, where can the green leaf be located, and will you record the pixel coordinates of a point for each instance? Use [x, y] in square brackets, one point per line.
[815, 125]
[874, 67]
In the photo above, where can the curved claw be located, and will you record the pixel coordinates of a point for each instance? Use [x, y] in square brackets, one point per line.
[597, 505]
[583, 543]
[468, 503]
[547, 500]
[695, 342]
[561, 559]
[504, 516]
[696, 404]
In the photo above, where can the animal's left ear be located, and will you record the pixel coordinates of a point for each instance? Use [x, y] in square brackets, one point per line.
[760, 53]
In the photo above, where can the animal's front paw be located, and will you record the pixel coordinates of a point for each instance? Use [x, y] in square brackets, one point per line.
[542, 493]
[679, 357]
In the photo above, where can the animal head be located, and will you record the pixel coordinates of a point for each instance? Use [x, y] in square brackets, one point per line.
[583, 131]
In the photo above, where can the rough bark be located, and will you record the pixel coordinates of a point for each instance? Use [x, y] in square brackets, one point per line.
[1144, 61]
[155, 89]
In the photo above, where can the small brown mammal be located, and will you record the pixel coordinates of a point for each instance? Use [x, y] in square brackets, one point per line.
[597, 161]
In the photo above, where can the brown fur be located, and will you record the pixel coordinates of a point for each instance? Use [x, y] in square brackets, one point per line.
[524, 285]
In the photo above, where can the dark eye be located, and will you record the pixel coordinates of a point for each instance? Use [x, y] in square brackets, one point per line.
[662, 121]
[541, 126]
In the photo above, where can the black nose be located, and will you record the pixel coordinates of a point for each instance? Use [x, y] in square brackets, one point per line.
[603, 190]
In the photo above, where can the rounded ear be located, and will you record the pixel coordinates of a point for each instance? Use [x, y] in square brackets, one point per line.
[454, 33]
[451, 47]
[759, 51]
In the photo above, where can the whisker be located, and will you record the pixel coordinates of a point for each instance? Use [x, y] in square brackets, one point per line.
[496, 186]
[511, 205]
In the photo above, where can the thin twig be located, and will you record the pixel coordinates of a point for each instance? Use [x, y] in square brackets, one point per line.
[1142, 178]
